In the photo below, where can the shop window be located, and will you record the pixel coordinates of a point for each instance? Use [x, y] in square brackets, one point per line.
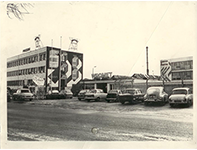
[44, 56]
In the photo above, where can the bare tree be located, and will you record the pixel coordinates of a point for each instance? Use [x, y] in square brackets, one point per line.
[18, 9]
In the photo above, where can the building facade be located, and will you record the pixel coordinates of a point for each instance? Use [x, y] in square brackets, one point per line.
[177, 69]
[49, 67]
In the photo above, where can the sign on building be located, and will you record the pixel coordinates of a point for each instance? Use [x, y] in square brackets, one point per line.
[166, 69]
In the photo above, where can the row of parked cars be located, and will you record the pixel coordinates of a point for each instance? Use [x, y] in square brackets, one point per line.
[25, 94]
[181, 95]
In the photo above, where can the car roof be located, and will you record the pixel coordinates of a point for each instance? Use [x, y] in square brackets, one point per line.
[132, 89]
[23, 89]
[159, 87]
[181, 88]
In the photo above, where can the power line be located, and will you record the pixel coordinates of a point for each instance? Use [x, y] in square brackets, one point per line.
[151, 35]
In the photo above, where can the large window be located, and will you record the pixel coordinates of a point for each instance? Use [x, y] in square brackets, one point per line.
[187, 75]
[27, 60]
[182, 65]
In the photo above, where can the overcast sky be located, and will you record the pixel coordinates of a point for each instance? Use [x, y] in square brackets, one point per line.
[112, 35]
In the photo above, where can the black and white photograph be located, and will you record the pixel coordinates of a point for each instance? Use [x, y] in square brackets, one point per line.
[98, 74]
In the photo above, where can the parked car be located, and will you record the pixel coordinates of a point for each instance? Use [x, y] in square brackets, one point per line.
[155, 95]
[95, 94]
[54, 94]
[66, 94]
[9, 96]
[181, 96]
[131, 95]
[23, 94]
[81, 94]
[113, 95]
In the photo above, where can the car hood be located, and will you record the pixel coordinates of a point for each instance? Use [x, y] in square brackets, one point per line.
[125, 94]
[177, 96]
[89, 93]
[26, 94]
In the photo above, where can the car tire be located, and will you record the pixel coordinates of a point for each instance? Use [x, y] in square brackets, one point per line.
[30, 99]
[79, 99]
[108, 101]
[88, 100]
[171, 105]
[188, 104]
[98, 99]
[117, 99]
[146, 103]
[122, 102]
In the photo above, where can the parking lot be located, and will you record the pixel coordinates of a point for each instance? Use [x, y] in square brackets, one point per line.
[155, 110]
[71, 119]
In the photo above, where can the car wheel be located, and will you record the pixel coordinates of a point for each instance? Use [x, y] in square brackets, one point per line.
[108, 101]
[30, 99]
[117, 99]
[171, 105]
[122, 102]
[188, 104]
[79, 99]
[98, 99]
[146, 103]
[88, 100]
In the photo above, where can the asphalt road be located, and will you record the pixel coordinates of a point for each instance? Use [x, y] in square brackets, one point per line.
[73, 120]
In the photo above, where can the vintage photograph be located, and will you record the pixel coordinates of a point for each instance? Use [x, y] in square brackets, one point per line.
[98, 74]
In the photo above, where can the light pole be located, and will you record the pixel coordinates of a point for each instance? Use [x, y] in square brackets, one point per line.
[93, 71]
[93, 76]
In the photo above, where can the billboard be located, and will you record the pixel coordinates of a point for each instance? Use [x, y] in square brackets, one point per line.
[52, 65]
[71, 67]
[64, 68]
[165, 70]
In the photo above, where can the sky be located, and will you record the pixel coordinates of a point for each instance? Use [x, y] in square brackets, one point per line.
[112, 35]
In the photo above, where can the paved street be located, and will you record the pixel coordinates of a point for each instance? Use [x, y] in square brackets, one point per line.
[73, 120]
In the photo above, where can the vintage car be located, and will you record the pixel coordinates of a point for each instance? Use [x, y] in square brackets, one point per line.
[96, 95]
[155, 95]
[113, 95]
[9, 95]
[23, 94]
[131, 95]
[66, 94]
[81, 94]
[181, 96]
[54, 94]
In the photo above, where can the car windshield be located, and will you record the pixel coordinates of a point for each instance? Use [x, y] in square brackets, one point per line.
[179, 92]
[55, 91]
[67, 91]
[113, 91]
[130, 91]
[83, 91]
[24, 91]
[152, 90]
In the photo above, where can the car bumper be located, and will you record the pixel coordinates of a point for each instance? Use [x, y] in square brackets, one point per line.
[178, 102]
[153, 100]
[90, 98]
[111, 99]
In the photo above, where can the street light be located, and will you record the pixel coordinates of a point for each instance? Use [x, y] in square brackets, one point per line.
[93, 70]
[93, 75]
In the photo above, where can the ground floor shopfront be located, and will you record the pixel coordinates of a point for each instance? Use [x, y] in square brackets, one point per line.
[107, 85]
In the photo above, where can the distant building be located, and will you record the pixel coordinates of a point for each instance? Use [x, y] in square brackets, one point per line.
[45, 67]
[177, 69]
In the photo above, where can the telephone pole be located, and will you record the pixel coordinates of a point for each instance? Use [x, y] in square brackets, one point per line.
[147, 71]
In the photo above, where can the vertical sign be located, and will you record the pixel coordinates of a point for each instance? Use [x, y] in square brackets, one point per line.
[166, 70]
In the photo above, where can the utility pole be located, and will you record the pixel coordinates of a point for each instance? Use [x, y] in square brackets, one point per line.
[147, 71]
[60, 55]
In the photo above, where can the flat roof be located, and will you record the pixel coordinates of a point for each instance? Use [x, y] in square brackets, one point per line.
[36, 51]
[179, 59]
